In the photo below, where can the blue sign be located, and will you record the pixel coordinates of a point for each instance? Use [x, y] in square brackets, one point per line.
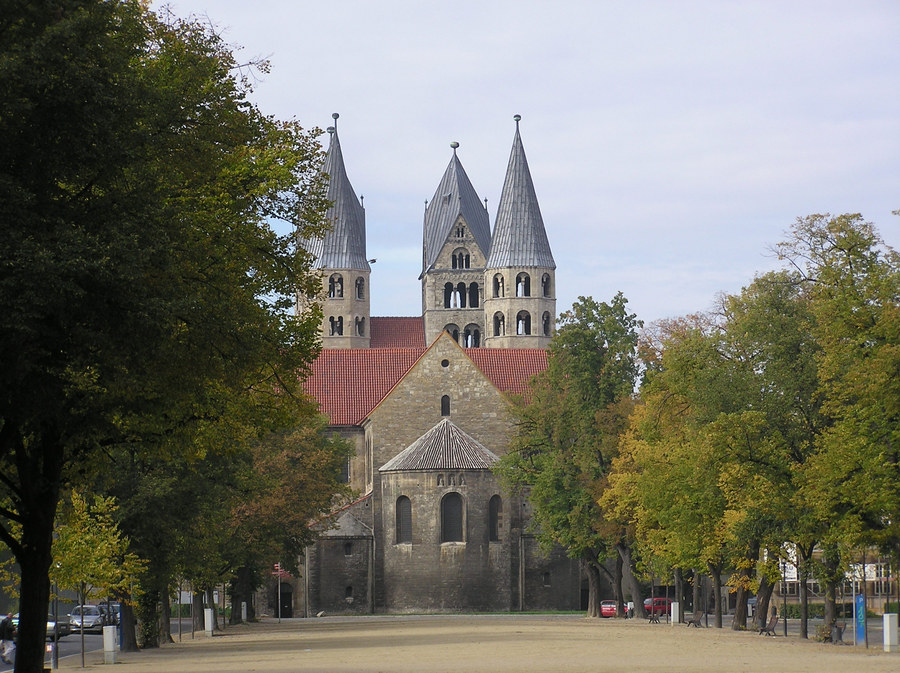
[860, 611]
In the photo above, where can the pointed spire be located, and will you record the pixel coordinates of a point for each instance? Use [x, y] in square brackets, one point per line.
[454, 196]
[519, 235]
[344, 245]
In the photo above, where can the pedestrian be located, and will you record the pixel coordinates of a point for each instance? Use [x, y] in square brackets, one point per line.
[7, 638]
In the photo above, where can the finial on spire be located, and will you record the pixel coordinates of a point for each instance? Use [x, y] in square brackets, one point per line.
[454, 145]
[485, 203]
[330, 130]
[334, 116]
[518, 118]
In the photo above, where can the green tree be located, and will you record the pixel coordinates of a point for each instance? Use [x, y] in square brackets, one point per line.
[853, 280]
[569, 430]
[145, 297]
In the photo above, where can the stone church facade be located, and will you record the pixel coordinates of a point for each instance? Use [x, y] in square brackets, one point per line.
[425, 402]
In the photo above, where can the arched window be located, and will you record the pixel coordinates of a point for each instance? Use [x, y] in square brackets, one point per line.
[546, 323]
[337, 325]
[545, 285]
[472, 337]
[523, 323]
[448, 295]
[499, 286]
[523, 285]
[453, 331]
[360, 288]
[460, 259]
[452, 518]
[461, 295]
[445, 405]
[495, 514]
[404, 520]
[336, 286]
[499, 325]
[360, 326]
[460, 231]
[473, 295]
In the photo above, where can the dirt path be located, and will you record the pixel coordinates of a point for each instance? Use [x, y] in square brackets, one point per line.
[499, 644]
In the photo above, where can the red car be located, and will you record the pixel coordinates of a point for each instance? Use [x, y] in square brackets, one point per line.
[607, 608]
[658, 606]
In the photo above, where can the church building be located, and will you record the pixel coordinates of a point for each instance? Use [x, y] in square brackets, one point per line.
[426, 401]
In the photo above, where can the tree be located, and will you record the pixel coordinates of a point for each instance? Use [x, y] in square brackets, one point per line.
[90, 554]
[853, 280]
[707, 474]
[569, 429]
[145, 296]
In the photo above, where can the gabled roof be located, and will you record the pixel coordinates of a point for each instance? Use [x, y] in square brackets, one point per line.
[454, 196]
[444, 447]
[397, 333]
[349, 383]
[344, 245]
[519, 235]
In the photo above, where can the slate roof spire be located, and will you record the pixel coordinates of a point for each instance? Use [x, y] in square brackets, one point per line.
[444, 447]
[519, 235]
[453, 198]
[344, 245]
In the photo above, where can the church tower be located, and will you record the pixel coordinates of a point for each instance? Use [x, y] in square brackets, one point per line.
[520, 274]
[341, 257]
[456, 243]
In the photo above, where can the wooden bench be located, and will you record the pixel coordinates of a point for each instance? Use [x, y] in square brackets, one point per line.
[696, 620]
[769, 629]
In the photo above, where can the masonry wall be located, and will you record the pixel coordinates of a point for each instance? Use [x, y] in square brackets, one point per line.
[414, 406]
[429, 575]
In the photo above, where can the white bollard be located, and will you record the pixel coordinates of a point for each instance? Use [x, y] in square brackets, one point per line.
[208, 621]
[676, 612]
[110, 644]
[243, 611]
[890, 632]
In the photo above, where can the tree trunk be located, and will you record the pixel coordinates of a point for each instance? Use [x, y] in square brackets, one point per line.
[633, 585]
[617, 587]
[126, 624]
[199, 624]
[739, 623]
[165, 618]
[241, 590]
[802, 575]
[763, 598]
[697, 598]
[593, 575]
[715, 573]
[34, 561]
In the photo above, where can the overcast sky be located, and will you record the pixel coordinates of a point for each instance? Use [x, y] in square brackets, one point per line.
[671, 143]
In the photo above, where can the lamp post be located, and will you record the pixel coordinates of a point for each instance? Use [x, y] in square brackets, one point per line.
[784, 596]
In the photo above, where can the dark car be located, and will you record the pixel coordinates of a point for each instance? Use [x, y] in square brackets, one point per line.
[607, 608]
[658, 606]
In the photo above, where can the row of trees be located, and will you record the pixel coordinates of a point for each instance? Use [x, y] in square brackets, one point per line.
[761, 432]
[149, 350]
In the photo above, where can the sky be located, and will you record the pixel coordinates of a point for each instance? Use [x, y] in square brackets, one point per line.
[672, 144]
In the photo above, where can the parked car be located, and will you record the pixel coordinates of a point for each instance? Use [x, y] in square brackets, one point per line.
[658, 606]
[607, 608]
[52, 625]
[86, 618]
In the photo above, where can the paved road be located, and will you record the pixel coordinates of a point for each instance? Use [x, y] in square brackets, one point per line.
[70, 648]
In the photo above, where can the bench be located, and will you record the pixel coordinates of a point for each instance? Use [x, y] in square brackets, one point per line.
[696, 620]
[769, 629]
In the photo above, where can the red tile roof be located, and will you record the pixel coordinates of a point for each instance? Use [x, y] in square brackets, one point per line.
[396, 333]
[510, 369]
[348, 383]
